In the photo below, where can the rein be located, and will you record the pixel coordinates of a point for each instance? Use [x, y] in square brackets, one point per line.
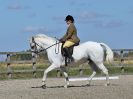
[44, 49]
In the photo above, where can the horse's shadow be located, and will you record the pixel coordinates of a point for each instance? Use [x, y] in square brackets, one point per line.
[71, 86]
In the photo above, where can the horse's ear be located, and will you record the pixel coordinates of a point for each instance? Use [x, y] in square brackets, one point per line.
[30, 39]
[33, 39]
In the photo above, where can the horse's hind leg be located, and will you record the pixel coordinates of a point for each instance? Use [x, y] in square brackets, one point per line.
[93, 67]
[63, 69]
[105, 71]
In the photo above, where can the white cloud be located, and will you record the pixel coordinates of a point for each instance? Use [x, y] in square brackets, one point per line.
[90, 15]
[16, 6]
[41, 29]
[36, 29]
[58, 18]
[98, 20]
[114, 24]
[109, 24]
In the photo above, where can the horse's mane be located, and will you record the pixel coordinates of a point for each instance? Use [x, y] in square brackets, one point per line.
[51, 39]
[43, 36]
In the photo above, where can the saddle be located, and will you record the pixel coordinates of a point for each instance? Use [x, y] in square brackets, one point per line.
[70, 49]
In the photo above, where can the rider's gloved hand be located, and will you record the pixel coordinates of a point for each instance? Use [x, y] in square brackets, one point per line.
[61, 40]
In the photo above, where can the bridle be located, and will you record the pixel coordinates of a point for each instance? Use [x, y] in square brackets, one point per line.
[34, 47]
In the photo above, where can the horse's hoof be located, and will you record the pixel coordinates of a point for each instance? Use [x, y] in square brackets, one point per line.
[88, 85]
[108, 84]
[66, 86]
[44, 86]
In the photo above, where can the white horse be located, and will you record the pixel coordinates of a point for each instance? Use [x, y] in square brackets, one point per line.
[93, 51]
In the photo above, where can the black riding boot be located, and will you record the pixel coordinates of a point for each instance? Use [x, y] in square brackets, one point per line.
[66, 50]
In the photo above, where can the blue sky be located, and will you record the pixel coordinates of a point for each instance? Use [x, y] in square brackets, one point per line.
[108, 21]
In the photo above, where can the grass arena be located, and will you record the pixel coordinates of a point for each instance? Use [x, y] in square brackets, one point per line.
[121, 88]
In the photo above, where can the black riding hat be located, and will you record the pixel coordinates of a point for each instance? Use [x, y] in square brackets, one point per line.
[69, 17]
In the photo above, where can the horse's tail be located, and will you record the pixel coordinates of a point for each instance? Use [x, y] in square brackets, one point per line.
[109, 53]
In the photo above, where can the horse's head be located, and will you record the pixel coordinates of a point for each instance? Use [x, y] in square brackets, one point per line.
[41, 42]
[34, 45]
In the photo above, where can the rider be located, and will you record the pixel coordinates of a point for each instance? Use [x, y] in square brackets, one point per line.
[70, 38]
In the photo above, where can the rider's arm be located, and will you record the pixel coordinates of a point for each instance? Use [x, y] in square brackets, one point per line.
[68, 34]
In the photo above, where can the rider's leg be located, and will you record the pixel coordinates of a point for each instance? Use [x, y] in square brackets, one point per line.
[68, 53]
[68, 44]
[66, 49]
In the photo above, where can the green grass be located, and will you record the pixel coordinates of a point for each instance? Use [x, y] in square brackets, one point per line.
[39, 74]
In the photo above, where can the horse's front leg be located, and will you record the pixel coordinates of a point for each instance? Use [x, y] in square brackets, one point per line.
[50, 68]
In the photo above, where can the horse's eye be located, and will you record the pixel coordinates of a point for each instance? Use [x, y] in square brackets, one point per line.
[32, 47]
